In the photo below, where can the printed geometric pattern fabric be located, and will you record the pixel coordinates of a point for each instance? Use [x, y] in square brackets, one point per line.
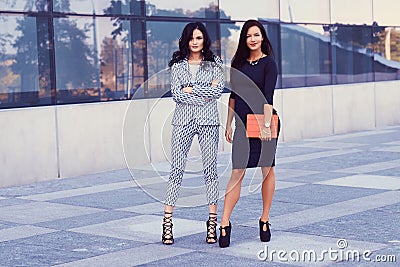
[182, 137]
[202, 103]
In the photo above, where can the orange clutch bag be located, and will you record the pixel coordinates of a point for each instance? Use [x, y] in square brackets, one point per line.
[255, 123]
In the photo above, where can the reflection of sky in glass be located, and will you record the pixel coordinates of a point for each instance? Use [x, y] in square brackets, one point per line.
[185, 5]
[86, 6]
[229, 44]
[17, 5]
[8, 25]
[104, 27]
[318, 29]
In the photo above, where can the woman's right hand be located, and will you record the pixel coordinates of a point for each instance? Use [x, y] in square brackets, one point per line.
[228, 134]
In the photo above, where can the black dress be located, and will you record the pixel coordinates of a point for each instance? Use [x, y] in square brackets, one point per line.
[252, 87]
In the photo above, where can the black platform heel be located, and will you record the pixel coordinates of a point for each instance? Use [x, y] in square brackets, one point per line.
[211, 228]
[265, 236]
[167, 237]
[225, 240]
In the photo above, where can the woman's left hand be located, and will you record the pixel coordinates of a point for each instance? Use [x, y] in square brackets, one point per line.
[188, 89]
[215, 83]
[265, 134]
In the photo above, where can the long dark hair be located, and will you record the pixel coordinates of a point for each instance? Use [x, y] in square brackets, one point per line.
[243, 52]
[184, 50]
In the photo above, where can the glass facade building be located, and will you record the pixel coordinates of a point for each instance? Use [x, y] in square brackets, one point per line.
[76, 51]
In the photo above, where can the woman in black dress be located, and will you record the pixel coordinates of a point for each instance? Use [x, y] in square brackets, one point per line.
[253, 79]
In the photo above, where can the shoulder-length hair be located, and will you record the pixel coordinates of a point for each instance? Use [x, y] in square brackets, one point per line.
[184, 50]
[243, 52]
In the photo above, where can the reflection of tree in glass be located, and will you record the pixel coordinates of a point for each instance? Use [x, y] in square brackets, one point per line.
[10, 3]
[8, 80]
[110, 51]
[41, 5]
[386, 42]
[122, 55]
[74, 58]
[26, 58]
[360, 35]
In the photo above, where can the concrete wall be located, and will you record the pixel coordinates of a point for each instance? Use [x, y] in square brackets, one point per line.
[45, 143]
[28, 146]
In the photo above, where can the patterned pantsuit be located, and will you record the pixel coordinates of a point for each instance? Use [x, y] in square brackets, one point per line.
[195, 113]
[182, 137]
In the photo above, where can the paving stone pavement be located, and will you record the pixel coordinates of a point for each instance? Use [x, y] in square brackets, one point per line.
[337, 202]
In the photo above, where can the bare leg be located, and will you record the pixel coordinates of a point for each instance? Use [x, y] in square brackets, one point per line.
[232, 194]
[212, 208]
[168, 208]
[267, 192]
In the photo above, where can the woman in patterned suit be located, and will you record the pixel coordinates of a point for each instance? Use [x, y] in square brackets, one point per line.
[197, 81]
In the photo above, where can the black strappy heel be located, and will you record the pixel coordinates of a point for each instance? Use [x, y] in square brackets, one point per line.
[265, 236]
[211, 229]
[225, 240]
[167, 236]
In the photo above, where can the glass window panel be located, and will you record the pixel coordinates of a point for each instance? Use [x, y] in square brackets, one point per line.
[77, 69]
[23, 5]
[305, 55]
[162, 41]
[352, 54]
[98, 59]
[230, 33]
[242, 10]
[178, 8]
[129, 7]
[386, 45]
[310, 11]
[351, 12]
[273, 33]
[386, 12]
[24, 62]
[121, 51]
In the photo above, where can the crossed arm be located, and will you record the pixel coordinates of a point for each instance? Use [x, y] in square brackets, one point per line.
[179, 95]
[215, 89]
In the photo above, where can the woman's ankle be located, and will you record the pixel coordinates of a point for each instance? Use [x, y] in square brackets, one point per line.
[224, 223]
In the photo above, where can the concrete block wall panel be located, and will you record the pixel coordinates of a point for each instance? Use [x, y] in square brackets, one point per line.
[307, 112]
[160, 128]
[90, 137]
[353, 107]
[28, 150]
[387, 103]
[136, 136]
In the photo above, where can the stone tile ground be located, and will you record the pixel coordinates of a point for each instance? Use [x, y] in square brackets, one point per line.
[342, 187]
